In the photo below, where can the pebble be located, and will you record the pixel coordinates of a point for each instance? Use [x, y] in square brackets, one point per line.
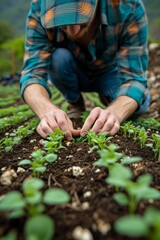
[33, 141]
[7, 177]
[98, 170]
[85, 205]
[80, 233]
[20, 170]
[76, 171]
[103, 227]
[87, 194]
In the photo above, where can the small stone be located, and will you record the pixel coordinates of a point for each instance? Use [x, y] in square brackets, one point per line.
[35, 148]
[41, 142]
[7, 177]
[77, 171]
[33, 141]
[85, 205]
[87, 194]
[98, 170]
[68, 143]
[20, 170]
[103, 227]
[80, 233]
[79, 149]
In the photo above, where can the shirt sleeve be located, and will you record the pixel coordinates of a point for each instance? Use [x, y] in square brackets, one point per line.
[38, 48]
[133, 55]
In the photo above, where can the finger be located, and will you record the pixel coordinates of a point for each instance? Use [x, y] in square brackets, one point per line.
[115, 128]
[75, 132]
[44, 129]
[99, 122]
[63, 124]
[109, 124]
[90, 120]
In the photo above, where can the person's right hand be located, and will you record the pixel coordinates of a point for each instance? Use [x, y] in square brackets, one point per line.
[56, 118]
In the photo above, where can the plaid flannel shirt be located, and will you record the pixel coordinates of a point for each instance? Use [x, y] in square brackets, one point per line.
[120, 40]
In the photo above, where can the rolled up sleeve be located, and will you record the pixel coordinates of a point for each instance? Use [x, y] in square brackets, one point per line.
[133, 55]
[38, 49]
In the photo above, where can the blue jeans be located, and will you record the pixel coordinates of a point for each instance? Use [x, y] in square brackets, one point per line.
[71, 80]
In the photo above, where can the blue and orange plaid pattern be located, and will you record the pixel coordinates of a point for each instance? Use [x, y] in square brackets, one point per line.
[120, 40]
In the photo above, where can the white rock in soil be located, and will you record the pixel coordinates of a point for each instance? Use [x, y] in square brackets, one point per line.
[76, 171]
[103, 227]
[33, 140]
[68, 143]
[87, 194]
[85, 205]
[98, 170]
[7, 177]
[80, 233]
[20, 170]
[79, 149]
[41, 142]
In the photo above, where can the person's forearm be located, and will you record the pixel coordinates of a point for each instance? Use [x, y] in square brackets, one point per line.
[36, 96]
[124, 107]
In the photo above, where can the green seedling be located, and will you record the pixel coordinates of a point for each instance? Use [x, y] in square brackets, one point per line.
[38, 162]
[125, 127]
[147, 225]
[108, 156]
[39, 227]
[142, 137]
[156, 145]
[31, 201]
[120, 176]
[98, 139]
[54, 141]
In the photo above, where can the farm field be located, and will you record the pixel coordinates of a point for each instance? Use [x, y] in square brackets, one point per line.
[90, 188]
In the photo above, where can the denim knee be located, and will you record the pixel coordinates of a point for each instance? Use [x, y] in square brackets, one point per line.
[62, 61]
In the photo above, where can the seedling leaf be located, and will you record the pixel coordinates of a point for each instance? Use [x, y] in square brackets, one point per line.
[56, 196]
[39, 227]
[132, 226]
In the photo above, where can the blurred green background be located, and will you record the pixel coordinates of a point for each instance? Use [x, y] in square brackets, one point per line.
[12, 31]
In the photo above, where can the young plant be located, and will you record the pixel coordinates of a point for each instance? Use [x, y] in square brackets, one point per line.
[142, 137]
[156, 148]
[54, 141]
[39, 227]
[135, 191]
[38, 162]
[31, 201]
[108, 156]
[98, 139]
[147, 225]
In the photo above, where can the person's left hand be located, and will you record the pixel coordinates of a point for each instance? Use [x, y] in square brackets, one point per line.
[101, 120]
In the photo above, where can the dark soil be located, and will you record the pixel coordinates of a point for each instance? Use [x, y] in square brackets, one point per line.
[98, 208]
